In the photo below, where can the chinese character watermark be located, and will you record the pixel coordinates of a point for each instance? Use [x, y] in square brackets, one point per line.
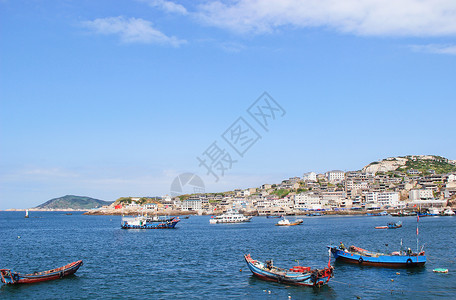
[241, 136]
[187, 183]
[265, 110]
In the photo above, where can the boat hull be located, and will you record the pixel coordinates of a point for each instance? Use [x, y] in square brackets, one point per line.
[386, 261]
[9, 277]
[289, 224]
[310, 278]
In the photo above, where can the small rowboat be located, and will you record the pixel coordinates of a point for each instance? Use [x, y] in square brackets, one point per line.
[297, 275]
[10, 277]
[440, 270]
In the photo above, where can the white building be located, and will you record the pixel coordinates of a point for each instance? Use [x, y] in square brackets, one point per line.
[283, 202]
[307, 201]
[357, 185]
[151, 206]
[335, 176]
[451, 177]
[424, 194]
[382, 198]
[309, 177]
[191, 204]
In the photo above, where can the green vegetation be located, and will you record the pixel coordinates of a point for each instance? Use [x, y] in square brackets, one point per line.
[73, 202]
[301, 190]
[141, 201]
[440, 165]
[281, 193]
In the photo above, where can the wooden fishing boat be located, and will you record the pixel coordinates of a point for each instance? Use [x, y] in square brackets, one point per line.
[390, 226]
[10, 277]
[399, 259]
[297, 275]
[144, 222]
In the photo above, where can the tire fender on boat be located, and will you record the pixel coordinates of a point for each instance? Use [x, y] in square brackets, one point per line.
[360, 260]
[409, 261]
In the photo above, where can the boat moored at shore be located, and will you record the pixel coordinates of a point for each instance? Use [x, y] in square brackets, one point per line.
[297, 275]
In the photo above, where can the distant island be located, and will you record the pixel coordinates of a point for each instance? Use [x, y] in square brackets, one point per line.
[70, 202]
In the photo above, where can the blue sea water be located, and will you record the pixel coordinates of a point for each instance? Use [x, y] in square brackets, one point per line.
[198, 260]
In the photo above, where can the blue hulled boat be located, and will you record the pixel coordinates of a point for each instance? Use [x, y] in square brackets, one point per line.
[144, 222]
[400, 259]
[297, 275]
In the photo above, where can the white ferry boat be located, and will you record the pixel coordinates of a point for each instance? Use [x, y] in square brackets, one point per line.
[231, 216]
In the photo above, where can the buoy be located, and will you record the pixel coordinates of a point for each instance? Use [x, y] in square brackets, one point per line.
[440, 270]
[397, 273]
[269, 292]
[240, 270]
[392, 279]
[18, 236]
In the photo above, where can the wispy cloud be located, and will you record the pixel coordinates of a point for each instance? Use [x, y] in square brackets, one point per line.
[132, 30]
[232, 47]
[167, 6]
[360, 17]
[435, 48]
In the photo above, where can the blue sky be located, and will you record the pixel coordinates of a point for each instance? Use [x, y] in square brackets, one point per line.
[117, 98]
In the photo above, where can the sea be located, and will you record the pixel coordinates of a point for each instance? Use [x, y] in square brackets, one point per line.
[198, 260]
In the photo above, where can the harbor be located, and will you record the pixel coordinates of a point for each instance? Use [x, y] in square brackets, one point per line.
[197, 246]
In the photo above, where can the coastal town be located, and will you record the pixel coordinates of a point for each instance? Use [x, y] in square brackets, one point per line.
[411, 182]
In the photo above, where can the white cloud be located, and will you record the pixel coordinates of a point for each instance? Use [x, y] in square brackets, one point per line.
[360, 17]
[435, 48]
[132, 30]
[167, 6]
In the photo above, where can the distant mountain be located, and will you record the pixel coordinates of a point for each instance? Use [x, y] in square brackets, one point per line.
[426, 164]
[73, 202]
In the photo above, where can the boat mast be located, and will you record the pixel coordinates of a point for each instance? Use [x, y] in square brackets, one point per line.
[417, 240]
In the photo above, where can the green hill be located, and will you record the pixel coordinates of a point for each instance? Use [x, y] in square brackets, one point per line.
[423, 163]
[73, 202]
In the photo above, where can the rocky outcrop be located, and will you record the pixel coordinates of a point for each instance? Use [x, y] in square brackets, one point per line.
[389, 164]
